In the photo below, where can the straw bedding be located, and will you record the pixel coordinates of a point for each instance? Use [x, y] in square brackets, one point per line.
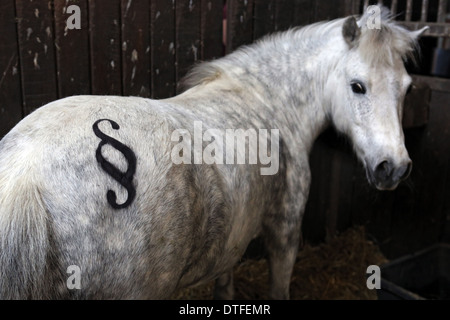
[333, 270]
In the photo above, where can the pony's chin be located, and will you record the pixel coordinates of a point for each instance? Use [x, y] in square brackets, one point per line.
[388, 185]
[383, 187]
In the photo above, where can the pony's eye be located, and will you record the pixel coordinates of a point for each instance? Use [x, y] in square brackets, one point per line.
[358, 88]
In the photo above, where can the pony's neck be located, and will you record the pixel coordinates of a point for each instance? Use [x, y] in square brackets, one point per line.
[288, 72]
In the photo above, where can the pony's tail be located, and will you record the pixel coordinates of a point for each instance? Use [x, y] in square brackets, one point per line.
[23, 236]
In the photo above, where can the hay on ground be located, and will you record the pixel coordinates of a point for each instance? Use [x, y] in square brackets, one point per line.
[333, 270]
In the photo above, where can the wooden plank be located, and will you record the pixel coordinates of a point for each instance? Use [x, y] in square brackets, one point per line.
[409, 10]
[105, 44]
[239, 23]
[304, 12]
[364, 198]
[424, 11]
[37, 54]
[72, 50]
[291, 13]
[10, 90]
[445, 233]
[136, 48]
[264, 18]
[187, 47]
[346, 168]
[441, 11]
[324, 11]
[321, 216]
[352, 7]
[314, 220]
[417, 105]
[394, 5]
[212, 46]
[402, 214]
[327, 224]
[335, 163]
[381, 216]
[162, 49]
[435, 29]
[284, 15]
[435, 83]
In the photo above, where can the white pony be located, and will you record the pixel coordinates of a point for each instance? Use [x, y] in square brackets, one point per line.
[89, 183]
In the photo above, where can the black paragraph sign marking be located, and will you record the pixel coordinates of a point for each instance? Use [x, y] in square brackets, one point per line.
[124, 178]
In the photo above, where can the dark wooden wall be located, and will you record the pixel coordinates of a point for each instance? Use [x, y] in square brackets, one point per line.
[144, 47]
[251, 19]
[137, 47]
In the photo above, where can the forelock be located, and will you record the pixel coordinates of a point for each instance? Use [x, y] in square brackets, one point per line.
[384, 45]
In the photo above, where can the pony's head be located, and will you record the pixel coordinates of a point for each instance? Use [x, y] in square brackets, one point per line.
[366, 95]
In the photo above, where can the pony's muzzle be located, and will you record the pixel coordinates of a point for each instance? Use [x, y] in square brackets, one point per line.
[387, 175]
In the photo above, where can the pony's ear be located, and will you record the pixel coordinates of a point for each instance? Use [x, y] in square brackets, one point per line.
[418, 33]
[351, 31]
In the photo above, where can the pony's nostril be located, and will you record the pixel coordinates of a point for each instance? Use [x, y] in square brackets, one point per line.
[383, 170]
[407, 170]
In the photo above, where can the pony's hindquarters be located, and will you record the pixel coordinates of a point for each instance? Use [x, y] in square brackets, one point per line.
[23, 224]
[57, 220]
[54, 212]
[182, 225]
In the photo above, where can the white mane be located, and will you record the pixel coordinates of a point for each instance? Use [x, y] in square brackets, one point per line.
[377, 46]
